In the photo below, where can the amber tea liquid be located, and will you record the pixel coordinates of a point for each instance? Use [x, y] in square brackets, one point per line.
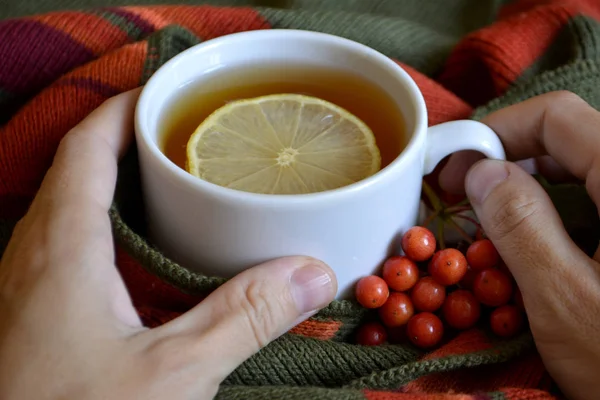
[356, 94]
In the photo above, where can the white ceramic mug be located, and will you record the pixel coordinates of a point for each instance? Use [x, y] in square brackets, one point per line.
[220, 231]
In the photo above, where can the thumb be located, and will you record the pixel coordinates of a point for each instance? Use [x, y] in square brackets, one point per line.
[251, 310]
[520, 219]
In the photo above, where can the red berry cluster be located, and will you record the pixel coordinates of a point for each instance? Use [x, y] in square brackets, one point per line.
[425, 292]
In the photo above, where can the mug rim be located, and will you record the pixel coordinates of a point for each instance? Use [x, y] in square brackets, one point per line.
[144, 138]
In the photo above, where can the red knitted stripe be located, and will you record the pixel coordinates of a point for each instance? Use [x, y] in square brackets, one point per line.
[158, 302]
[381, 395]
[208, 22]
[526, 372]
[95, 33]
[149, 291]
[442, 105]
[590, 8]
[13, 206]
[29, 140]
[153, 317]
[526, 394]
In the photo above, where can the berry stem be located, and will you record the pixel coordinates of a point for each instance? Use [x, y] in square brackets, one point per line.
[460, 230]
[440, 229]
[457, 209]
[479, 235]
[432, 197]
[430, 219]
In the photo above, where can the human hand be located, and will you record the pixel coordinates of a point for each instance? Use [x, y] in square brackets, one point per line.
[559, 283]
[69, 329]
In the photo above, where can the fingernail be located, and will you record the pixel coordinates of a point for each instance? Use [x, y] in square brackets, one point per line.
[312, 288]
[529, 165]
[483, 178]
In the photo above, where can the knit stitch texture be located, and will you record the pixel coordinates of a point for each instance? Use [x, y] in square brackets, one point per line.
[469, 58]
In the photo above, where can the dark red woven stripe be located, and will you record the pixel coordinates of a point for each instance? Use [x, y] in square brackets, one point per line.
[49, 54]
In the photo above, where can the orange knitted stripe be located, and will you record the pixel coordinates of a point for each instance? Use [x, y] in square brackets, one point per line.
[487, 62]
[29, 140]
[380, 395]
[323, 330]
[466, 342]
[494, 57]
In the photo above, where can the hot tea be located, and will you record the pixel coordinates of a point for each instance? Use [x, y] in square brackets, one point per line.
[353, 93]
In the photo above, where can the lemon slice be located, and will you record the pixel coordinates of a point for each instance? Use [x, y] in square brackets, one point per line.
[282, 144]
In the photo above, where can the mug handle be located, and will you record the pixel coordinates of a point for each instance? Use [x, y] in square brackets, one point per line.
[450, 137]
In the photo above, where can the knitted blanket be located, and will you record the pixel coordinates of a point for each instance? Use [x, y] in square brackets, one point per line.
[468, 57]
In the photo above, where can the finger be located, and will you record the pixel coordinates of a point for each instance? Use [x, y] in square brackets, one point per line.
[83, 174]
[251, 310]
[520, 219]
[552, 171]
[559, 124]
[452, 176]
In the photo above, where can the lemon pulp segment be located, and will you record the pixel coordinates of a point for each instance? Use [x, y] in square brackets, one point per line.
[282, 144]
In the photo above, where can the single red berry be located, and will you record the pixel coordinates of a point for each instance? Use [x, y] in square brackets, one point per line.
[427, 294]
[449, 267]
[400, 273]
[518, 299]
[397, 334]
[467, 281]
[482, 254]
[371, 334]
[425, 330]
[418, 243]
[506, 321]
[461, 309]
[397, 310]
[492, 287]
[372, 291]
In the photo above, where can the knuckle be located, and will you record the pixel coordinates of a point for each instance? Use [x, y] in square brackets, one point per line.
[515, 216]
[259, 311]
[71, 139]
[561, 104]
[563, 97]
